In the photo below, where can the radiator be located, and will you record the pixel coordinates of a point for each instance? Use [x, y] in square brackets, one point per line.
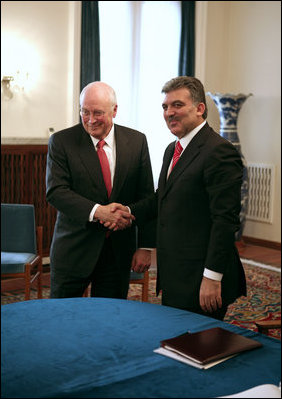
[261, 192]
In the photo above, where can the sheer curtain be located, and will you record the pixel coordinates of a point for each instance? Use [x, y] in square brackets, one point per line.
[139, 52]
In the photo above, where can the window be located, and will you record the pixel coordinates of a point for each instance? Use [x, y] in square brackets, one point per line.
[139, 45]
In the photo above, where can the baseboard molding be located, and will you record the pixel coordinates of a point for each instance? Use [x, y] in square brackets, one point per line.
[262, 265]
[262, 243]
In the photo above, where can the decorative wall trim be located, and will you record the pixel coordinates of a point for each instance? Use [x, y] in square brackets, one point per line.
[262, 243]
[24, 140]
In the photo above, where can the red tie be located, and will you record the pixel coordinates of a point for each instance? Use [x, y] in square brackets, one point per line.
[177, 152]
[105, 166]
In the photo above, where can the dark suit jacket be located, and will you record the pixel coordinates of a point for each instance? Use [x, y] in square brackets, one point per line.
[198, 210]
[75, 184]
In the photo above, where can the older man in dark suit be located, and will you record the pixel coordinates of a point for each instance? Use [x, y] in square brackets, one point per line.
[89, 166]
[198, 206]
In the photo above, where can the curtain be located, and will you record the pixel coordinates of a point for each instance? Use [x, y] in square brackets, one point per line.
[90, 43]
[187, 41]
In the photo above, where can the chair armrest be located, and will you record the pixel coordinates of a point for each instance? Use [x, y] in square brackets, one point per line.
[265, 325]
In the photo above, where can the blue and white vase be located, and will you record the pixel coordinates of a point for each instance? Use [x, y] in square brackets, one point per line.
[228, 106]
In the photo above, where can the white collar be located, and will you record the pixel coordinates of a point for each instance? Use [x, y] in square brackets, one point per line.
[184, 141]
[109, 139]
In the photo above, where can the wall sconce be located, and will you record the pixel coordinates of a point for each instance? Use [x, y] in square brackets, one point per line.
[14, 84]
[20, 66]
[6, 88]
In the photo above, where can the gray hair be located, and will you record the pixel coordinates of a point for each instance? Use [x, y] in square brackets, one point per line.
[195, 87]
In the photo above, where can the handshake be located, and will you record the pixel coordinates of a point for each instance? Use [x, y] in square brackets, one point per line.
[114, 216]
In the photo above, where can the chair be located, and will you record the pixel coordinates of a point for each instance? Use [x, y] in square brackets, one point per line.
[265, 325]
[135, 278]
[143, 279]
[21, 246]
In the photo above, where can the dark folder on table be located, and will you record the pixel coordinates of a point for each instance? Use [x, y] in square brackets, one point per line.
[208, 347]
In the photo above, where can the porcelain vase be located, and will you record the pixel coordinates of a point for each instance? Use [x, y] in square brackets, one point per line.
[228, 106]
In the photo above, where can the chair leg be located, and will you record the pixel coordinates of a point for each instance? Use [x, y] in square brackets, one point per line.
[39, 237]
[39, 281]
[145, 287]
[29, 280]
[27, 283]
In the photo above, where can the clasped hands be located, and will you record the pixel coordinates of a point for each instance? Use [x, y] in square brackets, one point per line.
[114, 216]
[118, 217]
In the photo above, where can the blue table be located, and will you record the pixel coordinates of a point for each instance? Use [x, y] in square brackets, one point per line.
[103, 348]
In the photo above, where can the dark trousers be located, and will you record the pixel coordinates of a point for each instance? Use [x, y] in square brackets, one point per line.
[107, 280]
[218, 314]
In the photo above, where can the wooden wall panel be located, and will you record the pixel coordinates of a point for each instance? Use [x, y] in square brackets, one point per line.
[23, 169]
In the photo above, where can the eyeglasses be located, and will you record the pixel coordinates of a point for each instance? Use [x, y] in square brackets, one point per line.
[86, 114]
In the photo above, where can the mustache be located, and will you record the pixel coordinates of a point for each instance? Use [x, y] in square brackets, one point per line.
[172, 119]
[92, 124]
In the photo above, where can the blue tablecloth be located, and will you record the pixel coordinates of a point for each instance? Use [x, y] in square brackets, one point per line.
[103, 348]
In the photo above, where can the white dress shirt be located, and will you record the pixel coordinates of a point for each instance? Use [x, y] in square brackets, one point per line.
[110, 150]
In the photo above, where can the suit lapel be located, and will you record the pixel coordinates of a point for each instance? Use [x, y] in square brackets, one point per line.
[190, 153]
[122, 161]
[90, 160]
[167, 158]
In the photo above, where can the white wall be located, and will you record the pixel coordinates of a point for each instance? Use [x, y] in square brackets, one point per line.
[41, 37]
[238, 50]
[243, 55]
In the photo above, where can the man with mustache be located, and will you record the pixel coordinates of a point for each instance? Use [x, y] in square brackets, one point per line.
[88, 166]
[197, 204]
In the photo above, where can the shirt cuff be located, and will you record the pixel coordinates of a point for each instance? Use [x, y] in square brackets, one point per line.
[92, 213]
[212, 275]
[148, 249]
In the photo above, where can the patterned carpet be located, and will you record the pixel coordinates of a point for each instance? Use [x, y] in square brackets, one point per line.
[263, 301]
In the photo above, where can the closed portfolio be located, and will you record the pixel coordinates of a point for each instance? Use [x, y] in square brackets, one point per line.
[208, 346]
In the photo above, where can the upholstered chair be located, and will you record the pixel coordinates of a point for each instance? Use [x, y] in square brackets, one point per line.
[21, 246]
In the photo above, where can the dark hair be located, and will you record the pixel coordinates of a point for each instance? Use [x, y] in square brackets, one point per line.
[195, 87]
